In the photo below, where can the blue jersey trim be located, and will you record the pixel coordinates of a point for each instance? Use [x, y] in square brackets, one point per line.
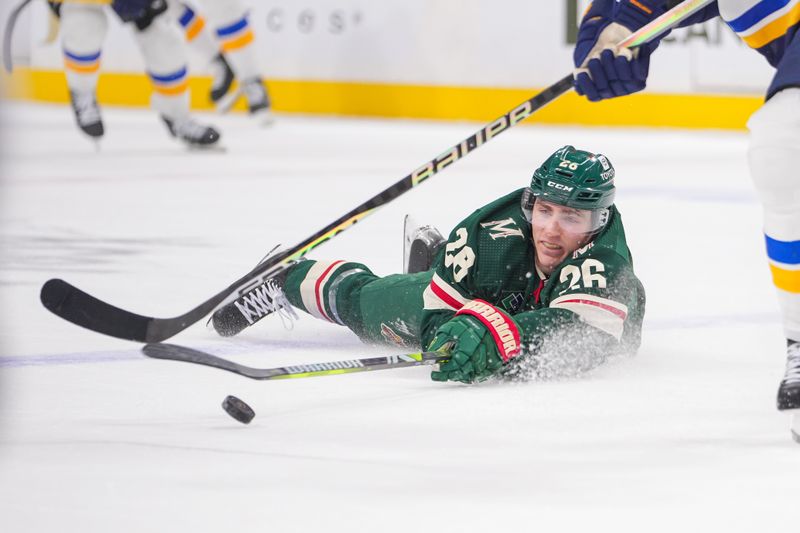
[175, 76]
[784, 252]
[187, 16]
[233, 28]
[82, 59]
[756, 14]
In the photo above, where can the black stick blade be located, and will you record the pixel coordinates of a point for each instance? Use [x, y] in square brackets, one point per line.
[78, 307]
[174, 352]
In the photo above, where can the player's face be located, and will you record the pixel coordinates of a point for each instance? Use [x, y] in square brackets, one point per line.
[557, 232]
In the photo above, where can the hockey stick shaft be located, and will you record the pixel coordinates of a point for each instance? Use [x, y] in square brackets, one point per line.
[513, 117]
[663, 23]
[8, 62]
[83, 309]
[184, 354]
[248, 306]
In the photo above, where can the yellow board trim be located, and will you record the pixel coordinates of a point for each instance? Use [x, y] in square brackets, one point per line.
[787, 280]
[774, 29]
[480, 104]
[103, 2]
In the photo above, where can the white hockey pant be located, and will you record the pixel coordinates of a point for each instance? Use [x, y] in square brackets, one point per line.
[195, 30]
[164, 53]
[231, 27]
[83, 30]
[774, 158]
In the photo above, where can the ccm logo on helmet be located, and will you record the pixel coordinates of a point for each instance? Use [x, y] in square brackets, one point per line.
[559, 186]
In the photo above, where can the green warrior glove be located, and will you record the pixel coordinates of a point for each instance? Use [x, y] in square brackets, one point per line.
[480, 339]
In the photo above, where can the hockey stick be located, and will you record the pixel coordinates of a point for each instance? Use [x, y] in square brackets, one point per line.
[250, 307]
[82, 309]
[10, 23]
[174, 352]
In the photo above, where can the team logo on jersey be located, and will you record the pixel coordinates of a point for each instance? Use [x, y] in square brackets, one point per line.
[580, 251]
[392, 336]
[513, 302]
[502, 228]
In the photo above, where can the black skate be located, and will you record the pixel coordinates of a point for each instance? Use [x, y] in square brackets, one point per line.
[420, 246]
[87, 114]
[194, 134]
[263, 300]
[222, 95]
[789, 389]
[258, 103]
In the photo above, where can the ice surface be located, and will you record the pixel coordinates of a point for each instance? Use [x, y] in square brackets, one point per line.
[94, 437]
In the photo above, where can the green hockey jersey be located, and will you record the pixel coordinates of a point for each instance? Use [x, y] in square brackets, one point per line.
[591, 306]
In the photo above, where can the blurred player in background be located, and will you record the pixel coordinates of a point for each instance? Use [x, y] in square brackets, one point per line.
[229, 51]
[83, 29]
[771, 28]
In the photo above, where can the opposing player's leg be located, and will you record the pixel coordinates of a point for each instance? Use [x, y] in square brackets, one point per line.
[773, 155]
[165, 59]
[235, 35]
[83, 29]
[378, 309]
[201, 41]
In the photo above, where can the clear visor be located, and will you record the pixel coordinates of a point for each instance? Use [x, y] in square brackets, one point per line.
[542, 213]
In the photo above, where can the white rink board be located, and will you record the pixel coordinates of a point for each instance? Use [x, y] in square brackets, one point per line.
[504, 43]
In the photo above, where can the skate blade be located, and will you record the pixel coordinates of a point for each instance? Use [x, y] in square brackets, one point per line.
[796, 426]
[409, 227]
[265, 118]
[95, 142]
[207, 149]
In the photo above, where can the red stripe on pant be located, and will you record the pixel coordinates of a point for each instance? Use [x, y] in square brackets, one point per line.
[318, 286]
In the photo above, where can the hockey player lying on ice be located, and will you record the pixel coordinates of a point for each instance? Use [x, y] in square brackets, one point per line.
[537, 282]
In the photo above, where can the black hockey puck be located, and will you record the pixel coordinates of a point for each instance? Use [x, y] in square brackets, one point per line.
[238, 409]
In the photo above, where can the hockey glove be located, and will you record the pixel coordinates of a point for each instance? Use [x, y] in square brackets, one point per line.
[603, 71]
[481, 339]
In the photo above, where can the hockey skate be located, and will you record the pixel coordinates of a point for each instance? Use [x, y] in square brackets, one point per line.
[268, 298]
[222, 94]
[265, 299]
[258, 104]
[420, 246]
[789, 389]
[190, 132]
[87, 114]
